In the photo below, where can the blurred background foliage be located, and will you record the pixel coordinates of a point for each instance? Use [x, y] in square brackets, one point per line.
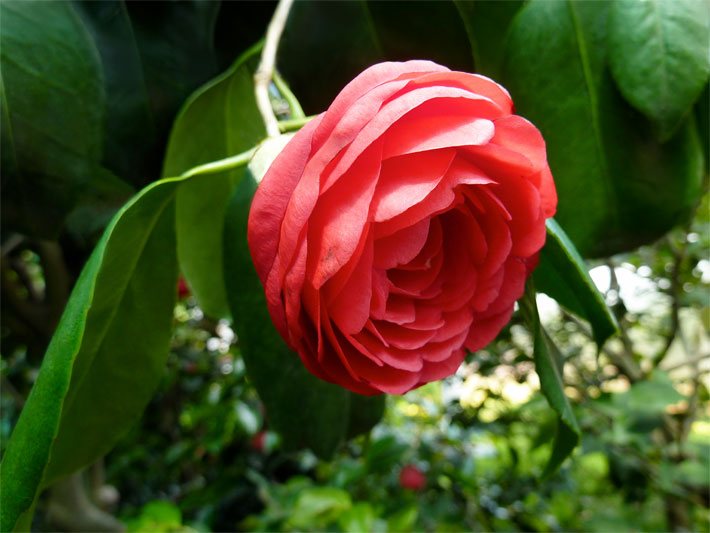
[91, 94]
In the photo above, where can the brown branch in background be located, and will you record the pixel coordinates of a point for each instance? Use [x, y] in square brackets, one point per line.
[31, 313]
[691, 361]
[56, 278]
[675, 288]
[626, 364]
[625, 360]
[20, 268]
[12, 242]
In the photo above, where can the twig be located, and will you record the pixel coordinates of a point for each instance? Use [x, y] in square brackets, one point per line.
[227, 163]
[20, 267]
[623, 361]
[265, 72]
[678, 259]
[293, 103]
[691, 361]
[31, 313]
[294, 123]
[56, 277]
[12, 242]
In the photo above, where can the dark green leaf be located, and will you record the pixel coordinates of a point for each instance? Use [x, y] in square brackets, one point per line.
[562, 274]
[487, 23]
[658, 52]
[52, 112]
[218, 121]
[618, 188]
[306, 411]
[153, 55]
[426, 29]
[341, 35]
[319, 506]
[548, 365]
[348, 37]
[106, 356]
[365, 412]
[384, 454]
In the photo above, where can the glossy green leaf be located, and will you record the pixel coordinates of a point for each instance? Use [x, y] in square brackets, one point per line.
[306, 411]
[153, 57]
[562, 274]
[487, 23]
[365, 412]
[548, 365]
[341, 35]
[52, 114]
[618, 187]
[658, 52]
[427, 29]
[218, 121]
[348, 37]
[106, 357]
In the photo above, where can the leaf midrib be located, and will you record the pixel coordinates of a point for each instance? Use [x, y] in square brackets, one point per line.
[594, 112]
[69, 401]
[663, 67]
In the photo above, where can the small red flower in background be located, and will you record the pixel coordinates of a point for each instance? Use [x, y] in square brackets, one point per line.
[258, 442]
[182, 289]
[411, 478]
[395, 231]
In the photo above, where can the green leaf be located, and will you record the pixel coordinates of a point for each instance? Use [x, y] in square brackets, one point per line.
[403, 520]
[365, 412]
[306, 411]
[316, 507]
[650, 396]
[618, 187]
[52, 104]
[548, 365]
[153, 58]
[658, 52]
[341, 35]
[348, 37]
[384, 454]
[220, 120]
[360, 517]
[487, 23]
[106, 356]
[426, 29]
[562, 274]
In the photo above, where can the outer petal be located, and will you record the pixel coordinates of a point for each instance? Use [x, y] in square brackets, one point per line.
[272, 196]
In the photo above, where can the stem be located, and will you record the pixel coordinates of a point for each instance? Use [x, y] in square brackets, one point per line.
[294, 123]
[265, 72]
[221, 165]
[293, 103]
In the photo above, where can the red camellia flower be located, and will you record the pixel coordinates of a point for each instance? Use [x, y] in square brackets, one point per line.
[411, 478]
[396, 230]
